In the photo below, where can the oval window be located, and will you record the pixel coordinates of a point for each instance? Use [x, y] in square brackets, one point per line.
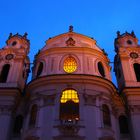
[101, 69]
[40, 69]
[70, 64]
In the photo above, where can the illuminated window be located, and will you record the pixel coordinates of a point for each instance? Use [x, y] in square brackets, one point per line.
[70, 65]
[69, 105]
[69, 94]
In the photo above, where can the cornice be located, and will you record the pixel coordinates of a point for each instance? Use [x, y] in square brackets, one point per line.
[73, 79]
[78, 50]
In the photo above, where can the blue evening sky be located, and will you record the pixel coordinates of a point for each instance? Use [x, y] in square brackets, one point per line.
[42, 19]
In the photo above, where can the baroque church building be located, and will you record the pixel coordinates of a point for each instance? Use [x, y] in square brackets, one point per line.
[71, 95]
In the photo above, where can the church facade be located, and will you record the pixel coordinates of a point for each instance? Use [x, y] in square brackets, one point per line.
[71, 95]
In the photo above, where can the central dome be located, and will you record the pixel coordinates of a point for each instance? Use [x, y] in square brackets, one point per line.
[71, 39]
[71, 53]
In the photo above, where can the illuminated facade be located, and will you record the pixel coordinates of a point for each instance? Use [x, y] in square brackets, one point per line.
[71, 95]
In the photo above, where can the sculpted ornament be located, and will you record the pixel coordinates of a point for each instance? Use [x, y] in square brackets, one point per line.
[89, 99]
[70, 42]
[135, 109]
[134, 55]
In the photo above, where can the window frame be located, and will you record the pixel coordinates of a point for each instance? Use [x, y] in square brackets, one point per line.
[106, 116]
[101, 69]
[72, 114]
[68, 67]
[3, 78]
[123, 124]
[18, 124]
[33, 115]
[137, 75]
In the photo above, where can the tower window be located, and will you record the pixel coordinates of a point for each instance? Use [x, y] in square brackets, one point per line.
[40, 69]
[14, 43]
[4, 73]
[69, 105]
[129, 42]
[106, 115]
[137, 71]
[33, 115]
[101, 69]
[18, 124]
[123, 124]
[70, 64]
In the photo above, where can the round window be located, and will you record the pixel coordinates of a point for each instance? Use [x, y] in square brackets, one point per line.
[14, 43]
[9, 56]
[129, 42]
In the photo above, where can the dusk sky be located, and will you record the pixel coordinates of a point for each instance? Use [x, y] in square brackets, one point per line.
[41, 19]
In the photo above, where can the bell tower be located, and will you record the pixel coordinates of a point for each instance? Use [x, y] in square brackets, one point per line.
[14, 69]
[127, 70]
[14, 62]
[127, 60]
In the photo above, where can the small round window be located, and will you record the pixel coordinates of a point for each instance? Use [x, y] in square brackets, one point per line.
[70, 64]
[129, 42]
[14, 43]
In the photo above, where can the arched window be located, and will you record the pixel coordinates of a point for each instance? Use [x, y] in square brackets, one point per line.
[69, 105]
[40, 69]
[4, 73]
[18, 124]
[33, 115]
[137, 71]
[106, 115]
[101, 69]
[70, 64]
[123, 124]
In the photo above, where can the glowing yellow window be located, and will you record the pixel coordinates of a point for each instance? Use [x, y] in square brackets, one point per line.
[69, 95]
[70, 65]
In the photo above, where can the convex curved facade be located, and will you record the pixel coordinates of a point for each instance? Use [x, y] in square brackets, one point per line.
[71, 95]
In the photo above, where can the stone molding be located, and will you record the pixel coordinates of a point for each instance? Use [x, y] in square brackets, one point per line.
[89, 99]
[134, 109]
[6, 109]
